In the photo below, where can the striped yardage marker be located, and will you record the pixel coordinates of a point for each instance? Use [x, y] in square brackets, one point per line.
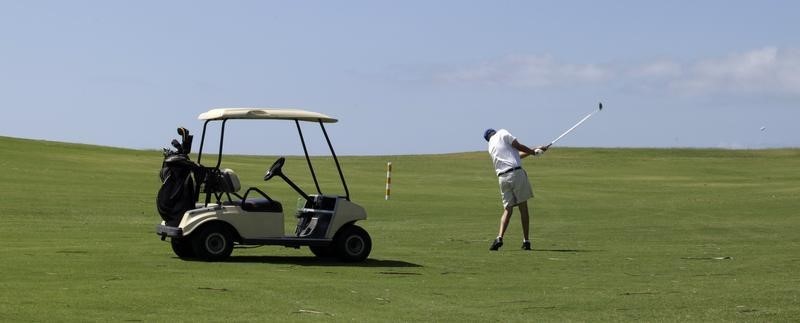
[388, 179]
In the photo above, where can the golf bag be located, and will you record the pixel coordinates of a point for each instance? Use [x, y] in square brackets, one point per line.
[177, 193]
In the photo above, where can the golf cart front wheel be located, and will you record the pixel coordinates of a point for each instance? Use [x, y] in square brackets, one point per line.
[352, 244]
[213, 242]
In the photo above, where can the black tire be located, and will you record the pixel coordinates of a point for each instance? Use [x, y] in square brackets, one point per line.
[213, 242]
[182, 248]
[352, 244]
[323, 251]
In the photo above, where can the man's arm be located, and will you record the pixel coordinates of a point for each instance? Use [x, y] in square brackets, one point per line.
[525, 151]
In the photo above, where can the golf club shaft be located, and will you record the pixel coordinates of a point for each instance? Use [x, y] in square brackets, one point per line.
[575, 126]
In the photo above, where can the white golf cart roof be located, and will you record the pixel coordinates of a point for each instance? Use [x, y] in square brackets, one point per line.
[256, 113]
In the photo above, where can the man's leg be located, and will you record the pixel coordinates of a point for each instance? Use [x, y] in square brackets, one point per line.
[504, 219]
[507, 212]
[524, 217]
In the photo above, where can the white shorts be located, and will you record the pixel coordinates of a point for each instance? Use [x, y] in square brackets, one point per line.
[515, 188]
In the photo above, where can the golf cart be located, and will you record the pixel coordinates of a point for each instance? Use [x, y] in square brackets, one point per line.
[208, 229]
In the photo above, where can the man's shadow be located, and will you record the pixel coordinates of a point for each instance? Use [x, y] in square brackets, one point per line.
[565, 250]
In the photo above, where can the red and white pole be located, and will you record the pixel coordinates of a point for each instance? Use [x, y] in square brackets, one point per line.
[388, 179]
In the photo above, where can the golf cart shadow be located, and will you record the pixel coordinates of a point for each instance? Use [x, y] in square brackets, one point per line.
[312, 261]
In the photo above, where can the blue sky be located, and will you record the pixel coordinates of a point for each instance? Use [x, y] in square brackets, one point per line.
[405, 77]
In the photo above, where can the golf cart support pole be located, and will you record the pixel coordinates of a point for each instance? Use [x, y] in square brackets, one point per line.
[336, 160]
[308, 159]
[200, 181]
[221, 141]
[203, 141]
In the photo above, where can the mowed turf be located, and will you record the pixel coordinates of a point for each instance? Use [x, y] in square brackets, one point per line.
[619, 235]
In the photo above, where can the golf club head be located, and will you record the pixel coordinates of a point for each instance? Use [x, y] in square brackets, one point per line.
[183, 132]
[186, 140]
[187, 144]
[176, 144]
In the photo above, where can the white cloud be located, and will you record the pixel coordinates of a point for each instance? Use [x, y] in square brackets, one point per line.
[526, 71]
[657, 70]
[768, 70]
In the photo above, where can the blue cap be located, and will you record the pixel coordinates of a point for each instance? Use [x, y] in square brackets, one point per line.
[488, 133]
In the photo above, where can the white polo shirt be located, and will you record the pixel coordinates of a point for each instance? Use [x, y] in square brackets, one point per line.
[504, 156]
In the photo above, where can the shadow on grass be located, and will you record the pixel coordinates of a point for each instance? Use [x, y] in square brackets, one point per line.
[312, 261]
[565, 250]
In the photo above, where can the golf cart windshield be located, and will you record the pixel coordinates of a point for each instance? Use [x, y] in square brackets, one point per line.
[295, 115]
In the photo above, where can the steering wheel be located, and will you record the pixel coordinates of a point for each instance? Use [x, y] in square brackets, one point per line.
[275, 169]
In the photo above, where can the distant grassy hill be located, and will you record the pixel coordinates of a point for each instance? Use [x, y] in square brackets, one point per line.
[619, 235]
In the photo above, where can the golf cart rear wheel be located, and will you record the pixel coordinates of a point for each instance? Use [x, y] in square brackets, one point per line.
[213, 242]
[182, 248]
[352, 244]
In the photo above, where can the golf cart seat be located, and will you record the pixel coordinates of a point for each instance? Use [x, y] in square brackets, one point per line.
[232, 185]
[230, 181]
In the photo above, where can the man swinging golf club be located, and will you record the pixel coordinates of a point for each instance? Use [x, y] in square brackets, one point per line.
[515, 189]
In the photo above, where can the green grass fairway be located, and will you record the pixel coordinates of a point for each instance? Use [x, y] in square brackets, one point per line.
[619, 235]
